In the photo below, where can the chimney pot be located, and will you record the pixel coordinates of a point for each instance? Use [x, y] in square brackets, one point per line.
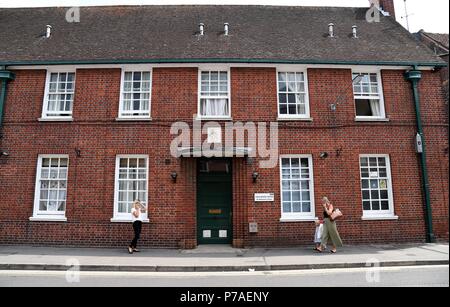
[201, 28]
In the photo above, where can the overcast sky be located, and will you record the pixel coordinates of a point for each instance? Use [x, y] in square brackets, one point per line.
[431, 15]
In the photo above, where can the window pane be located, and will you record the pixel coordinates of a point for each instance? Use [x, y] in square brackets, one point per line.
[375, 194]
[286, 196]
[62, 206]
[305, 184]
[375, 205]
[306, 207]
[44, 194]
[364, 162]
[305, 196]
[366, 205]
[374, 184]
[363, 107]
[365, 184]
[295, 185]
[43, 206]
[53, 77]
[287, 207]
[366, 195]
[296, 207]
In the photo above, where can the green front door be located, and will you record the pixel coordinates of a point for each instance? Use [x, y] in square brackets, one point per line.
[214, 201]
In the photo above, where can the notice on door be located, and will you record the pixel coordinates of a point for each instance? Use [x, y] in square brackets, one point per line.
[264, 197]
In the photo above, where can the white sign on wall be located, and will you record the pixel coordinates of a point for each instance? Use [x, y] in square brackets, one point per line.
[262, 197]
[214, 135]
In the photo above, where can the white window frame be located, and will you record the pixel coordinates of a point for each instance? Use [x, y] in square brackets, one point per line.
[126, 217]
[199, 91]
[135, 68]
[299, 216]
[381, 214]
[45, 215]
[45, 112]
[307, 115]
[380, 96]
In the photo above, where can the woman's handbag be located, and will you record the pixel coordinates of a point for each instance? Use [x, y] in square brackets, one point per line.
[336, 215]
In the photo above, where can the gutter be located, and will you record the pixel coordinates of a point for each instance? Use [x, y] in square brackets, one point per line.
[5, 76]
[222, 60]
[414, 76]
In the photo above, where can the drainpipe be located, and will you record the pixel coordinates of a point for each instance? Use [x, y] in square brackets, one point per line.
[5, 76]
[414, 76]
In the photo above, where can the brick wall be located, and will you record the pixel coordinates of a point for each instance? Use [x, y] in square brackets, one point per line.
[173, 205]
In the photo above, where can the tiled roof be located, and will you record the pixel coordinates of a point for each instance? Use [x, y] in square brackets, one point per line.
[169, 34]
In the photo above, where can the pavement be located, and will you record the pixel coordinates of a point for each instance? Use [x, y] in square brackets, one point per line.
[219, 258]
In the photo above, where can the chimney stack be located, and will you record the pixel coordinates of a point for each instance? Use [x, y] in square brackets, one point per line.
[386, 5]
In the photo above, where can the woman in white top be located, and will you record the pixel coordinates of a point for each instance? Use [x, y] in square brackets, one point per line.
[136, 214]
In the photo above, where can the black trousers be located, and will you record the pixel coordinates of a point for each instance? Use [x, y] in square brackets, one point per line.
[137, 227]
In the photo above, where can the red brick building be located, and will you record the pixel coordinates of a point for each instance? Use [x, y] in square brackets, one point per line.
[87, 109]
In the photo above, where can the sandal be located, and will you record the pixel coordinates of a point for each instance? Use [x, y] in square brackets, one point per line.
[333, 252]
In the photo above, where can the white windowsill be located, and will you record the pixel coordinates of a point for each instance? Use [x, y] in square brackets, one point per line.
[55, 119]
[48, 219]
[380, 218]
[305, 119]
[291, 220]
[213, 118]
[119, 220]
[368, 119]
[129, 119]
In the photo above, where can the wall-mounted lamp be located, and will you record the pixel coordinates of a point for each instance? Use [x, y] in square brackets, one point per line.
[174, 176]
[324, 155]
[78, 152]
[255, 176]
[4, 153]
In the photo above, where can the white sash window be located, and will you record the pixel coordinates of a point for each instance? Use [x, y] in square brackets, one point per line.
[214, 94]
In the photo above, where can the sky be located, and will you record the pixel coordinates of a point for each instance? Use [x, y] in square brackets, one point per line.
[431, 15]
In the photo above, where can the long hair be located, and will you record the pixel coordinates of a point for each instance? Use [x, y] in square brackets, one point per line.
[138, 203]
